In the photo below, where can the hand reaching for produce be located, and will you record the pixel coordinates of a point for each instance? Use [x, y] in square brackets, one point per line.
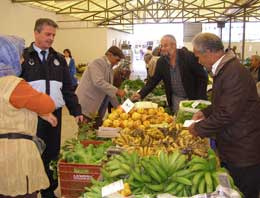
[192, 130]
[198, 116]
[50, 118]
[135, 97]
[120, 93]
[79, 118]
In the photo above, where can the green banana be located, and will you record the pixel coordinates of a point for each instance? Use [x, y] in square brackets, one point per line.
[212, 163]
[164, 160]
[170, 187]
[196, 181]
[146, 178]
[196, 159]
[202, 186]
[181, 173]
[179, 189]
[117, 172]
[159, 168]
[152, 172]
[174, 157]
[137, 176]
[215, 180]
[199, 167]
[182, 180]
[209, 182]
[181, 162]
[155, 187]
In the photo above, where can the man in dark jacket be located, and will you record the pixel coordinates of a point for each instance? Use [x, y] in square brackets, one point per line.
[233, 116]
[183, 77]
[47, 71]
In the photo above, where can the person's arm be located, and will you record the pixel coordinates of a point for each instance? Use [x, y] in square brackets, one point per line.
[154, 80]
[98, 79]
[69, 96]
[24, 96]
[72, 67]
[230, 105]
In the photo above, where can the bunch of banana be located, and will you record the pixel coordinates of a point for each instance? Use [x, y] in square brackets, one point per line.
[205, 180]
[146, 151]
[120, 166]
[162, 174]
[187, 142]
[154, 133]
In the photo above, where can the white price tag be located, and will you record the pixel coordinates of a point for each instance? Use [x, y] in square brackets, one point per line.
[195, 104]
[187, 123]
[112, 188]
[127, 105]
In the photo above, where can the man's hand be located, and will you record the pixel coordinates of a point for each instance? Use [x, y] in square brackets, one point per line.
[50, 118]
[135, 97]
[198, 116]
[79, 118]
[192, 130]
[120, 93]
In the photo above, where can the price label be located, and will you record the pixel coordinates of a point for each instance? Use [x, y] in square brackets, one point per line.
[187, 123]
[223, 180]
[112, 188]
[127, 105]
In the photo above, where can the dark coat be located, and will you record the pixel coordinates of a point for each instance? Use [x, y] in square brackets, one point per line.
[234, 114]
[194, 77]
[57, 77]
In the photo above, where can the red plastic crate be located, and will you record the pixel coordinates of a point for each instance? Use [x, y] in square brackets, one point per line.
[74, 177]
[88, 142]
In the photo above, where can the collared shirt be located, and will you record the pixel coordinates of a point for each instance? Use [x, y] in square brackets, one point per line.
[178, 92]
[215, 65]
[38, 50]
[108, 62]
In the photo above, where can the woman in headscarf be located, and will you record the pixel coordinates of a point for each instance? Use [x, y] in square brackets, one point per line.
[22, 173]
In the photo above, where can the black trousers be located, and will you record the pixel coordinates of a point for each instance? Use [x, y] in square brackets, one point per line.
[52, 138]
[247, 179]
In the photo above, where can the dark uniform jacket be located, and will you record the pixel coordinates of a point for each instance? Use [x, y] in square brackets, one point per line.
[54, 74]
[194, 77]
[234, 116]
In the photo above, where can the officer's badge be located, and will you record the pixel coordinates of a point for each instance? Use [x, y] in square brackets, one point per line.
[31, 62]
[56, 62]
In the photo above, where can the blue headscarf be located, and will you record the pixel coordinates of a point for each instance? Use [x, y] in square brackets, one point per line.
[11, 48]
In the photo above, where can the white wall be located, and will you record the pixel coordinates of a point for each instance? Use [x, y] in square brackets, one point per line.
[85, 44]
[85, 41]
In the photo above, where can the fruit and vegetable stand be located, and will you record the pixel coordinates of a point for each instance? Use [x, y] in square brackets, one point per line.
[158, 158]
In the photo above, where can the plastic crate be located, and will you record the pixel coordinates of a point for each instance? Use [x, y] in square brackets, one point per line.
[74, 177]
